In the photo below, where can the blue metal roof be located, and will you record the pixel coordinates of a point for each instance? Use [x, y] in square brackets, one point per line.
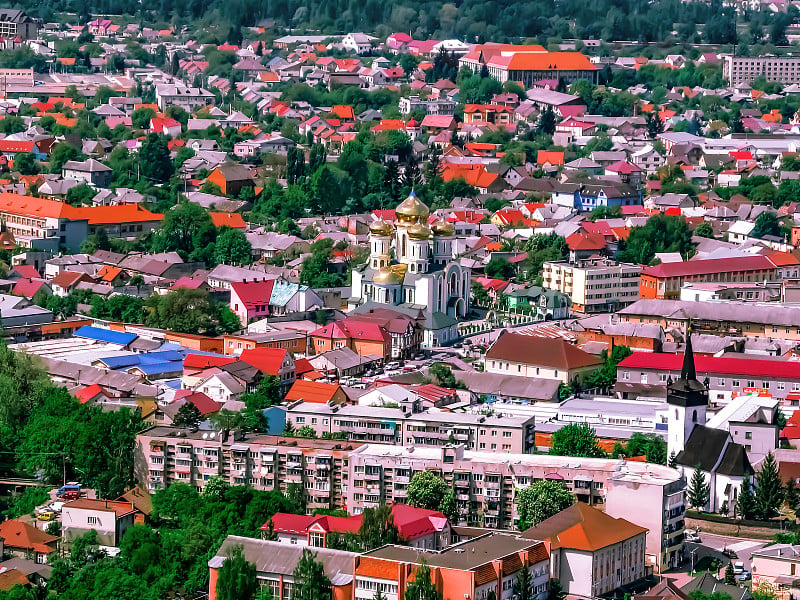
[105, 335]
[282, 292]
[119, 362]
[161, 368]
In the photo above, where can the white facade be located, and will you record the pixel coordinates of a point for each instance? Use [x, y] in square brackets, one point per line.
[594, 285]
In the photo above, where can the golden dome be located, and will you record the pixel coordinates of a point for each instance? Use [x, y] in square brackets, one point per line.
[390, 275]
[412, 209]
[419, 231]
[380, 227]
[444, 229]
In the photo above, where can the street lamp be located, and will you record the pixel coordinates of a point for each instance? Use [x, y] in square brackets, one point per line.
[691, 552]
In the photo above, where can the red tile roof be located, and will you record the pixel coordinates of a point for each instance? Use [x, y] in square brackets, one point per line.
[117, 214]
[312, 391]
[17, 534]
[709, 266]
[266, 360]
[233, 220]
[204, 404]
[28, 287]
[204, 361]
[89, 392]
[253, 293]
[586, 241]
[723, 365]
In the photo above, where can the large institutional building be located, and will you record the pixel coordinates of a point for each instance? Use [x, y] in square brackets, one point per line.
[529, 63]
[746, 69]
[422, 275]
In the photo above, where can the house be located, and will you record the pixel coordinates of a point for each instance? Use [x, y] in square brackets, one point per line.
[271, 361]
[165, 126]
[188, 98]
[418, 527]
[221, 387]
[231, 178]
[303, 390]
[66, 281]
[15, 23]
[250, 300]
[777, 566]
[522, 355]
[360, 43]
[275, 563]
[592, 553]
[109, 518]
[22, 540]
[362, 337]
[90, 171]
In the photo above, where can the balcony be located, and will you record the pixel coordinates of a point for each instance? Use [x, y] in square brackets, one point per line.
[401, 479]
[492, 485]
[463, 497]
[157, 466]
[372, 476]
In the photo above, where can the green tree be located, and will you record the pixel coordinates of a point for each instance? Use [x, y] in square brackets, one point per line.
[767, 223]
[232, 248]
[557, 590]
[306, 431]
[237, 577]
[730, 576]
[541, 500]
[769, 488]
[421, 587]
[442, 375]
[547, 121]
[310, 581]
[25, 163]
[61, 154]
[661, 233]
[699, 490]
[155, 162]
[655, 125]
[576, 439]
[267, 394]
[429, 490]
[606, 376]
[190, 311]
[523, 586]
[188, 415]
[187, 229]
[705, 230]
[141, 117]
[317, 269]
[651, 446]
[82, 194]
[499, 268]
[378, 528]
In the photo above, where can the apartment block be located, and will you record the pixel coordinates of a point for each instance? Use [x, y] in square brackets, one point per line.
[432, 106]
[746, 69]
[432, 428]
[164, 455]
[486, 484]
[594, 285]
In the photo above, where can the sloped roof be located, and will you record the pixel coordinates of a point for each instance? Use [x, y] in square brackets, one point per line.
[581, 527]
[312, 391]
[532, 350]
[17, 534]
[266, 360]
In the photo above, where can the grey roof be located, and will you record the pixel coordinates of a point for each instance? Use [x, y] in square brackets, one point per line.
[712, 450]
[716, 311]
[708, 584]
[527, 388]
[90, 166]
[280, 559]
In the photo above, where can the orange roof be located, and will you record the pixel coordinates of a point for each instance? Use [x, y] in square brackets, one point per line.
[343, 112]
[32, 206]
[17, 534]
[120, 213]
[554, 158]
[12, 577]
[774, 116]
[379, 569]
[109, 273]
[120, 509]
[66, 61]
[312, 391]
[234, 220]
[782, 259]
[581, 527]
[544, 61]
[473, 175]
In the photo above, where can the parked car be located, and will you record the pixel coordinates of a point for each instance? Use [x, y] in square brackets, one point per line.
[71, 495]
[45, 516]
[745, 576]
[692, 536]
[728, 553]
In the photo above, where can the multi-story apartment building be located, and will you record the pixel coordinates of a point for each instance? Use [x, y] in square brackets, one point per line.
[487, 566]
[665, 280]
[594, 285]
[15, 23]
[164, 455]
[726, 376]
[486, 484]
[746, 69]
[43, 224]
[724, 318]
[491, 432]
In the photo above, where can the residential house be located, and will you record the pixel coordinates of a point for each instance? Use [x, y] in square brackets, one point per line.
[231, 178]
[90, 171]
[522, 355]
[22, 540]
[109, 518]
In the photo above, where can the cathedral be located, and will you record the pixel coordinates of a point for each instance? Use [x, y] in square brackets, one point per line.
[411, 268]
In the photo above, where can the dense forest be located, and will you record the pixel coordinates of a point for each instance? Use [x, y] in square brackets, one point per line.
[469, 20]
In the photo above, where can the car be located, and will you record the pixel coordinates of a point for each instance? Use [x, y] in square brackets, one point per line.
[71, 495]
[692, 536]
[392, 366]
[738, 568]
[745, 576]
[728, 553]
[45, 516]
[72, 486]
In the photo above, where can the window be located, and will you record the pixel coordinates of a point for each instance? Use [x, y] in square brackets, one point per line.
[92, 520]
[748, 435]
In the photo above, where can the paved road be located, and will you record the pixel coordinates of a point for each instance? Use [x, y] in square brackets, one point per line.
[743, 547]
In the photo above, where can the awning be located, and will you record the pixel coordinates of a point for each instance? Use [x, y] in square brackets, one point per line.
[240, 448]
[582, 478]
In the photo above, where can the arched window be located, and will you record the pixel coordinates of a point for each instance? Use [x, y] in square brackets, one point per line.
[694, 416]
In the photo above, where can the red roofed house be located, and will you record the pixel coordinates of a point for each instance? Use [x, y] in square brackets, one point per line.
[63, 283]
[480, 114]
[126, 221]
[271, 361]
[109, 518]
[433, 124]
[169, 127]
[362, 337]
[28, 288]
[554, 159]
[529, 64]
[666, 279]
[583, 245]
[203, 402]
[419, 527]
[250, 299]
[316, 391]
[92, 393]
[22, 540]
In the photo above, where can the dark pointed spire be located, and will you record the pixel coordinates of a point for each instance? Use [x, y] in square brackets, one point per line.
[688, 371]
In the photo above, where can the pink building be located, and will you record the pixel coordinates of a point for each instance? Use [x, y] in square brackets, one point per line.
[250, 299]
